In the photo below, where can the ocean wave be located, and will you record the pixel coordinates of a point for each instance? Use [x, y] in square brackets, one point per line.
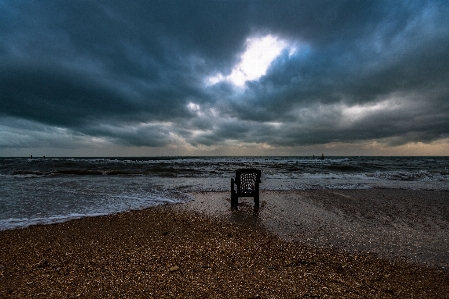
[413, 176]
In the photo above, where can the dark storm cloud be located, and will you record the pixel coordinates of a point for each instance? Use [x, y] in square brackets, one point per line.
[135, 72]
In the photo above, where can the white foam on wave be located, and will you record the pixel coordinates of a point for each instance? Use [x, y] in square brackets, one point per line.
[14, 223]
[115, 204]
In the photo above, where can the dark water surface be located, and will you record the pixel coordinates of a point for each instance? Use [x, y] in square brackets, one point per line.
[48, 190]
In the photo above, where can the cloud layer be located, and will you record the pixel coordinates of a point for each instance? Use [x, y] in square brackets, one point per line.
[138, 74]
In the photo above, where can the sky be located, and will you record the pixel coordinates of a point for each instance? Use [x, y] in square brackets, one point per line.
[265, 77]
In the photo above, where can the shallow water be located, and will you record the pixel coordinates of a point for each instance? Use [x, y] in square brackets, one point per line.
[48, 190]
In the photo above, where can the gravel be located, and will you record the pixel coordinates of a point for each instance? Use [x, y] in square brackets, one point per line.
[209, 252]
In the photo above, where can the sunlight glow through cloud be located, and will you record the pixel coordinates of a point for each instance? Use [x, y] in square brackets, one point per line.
[254, 62]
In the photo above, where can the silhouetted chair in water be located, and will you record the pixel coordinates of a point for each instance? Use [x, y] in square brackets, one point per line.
[247, 182]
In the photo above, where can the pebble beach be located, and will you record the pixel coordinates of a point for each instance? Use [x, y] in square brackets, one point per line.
[327, 244]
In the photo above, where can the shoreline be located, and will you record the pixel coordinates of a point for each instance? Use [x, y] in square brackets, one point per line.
[205, 250]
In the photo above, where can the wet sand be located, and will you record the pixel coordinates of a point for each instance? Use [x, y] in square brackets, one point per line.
[392, 223]
[293, 247]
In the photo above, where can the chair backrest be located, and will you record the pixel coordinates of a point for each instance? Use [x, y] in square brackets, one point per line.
[247, 181]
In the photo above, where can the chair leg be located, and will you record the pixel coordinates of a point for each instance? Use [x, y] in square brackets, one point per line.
[256, 200]
[234, 201]
[234, 198]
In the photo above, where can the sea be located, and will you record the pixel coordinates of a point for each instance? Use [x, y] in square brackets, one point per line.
[50, 190]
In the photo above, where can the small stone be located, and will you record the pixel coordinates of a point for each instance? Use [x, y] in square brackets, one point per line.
[174, 268]
[43, 264]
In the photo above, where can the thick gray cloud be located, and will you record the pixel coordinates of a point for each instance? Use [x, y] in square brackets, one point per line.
[135, 73]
